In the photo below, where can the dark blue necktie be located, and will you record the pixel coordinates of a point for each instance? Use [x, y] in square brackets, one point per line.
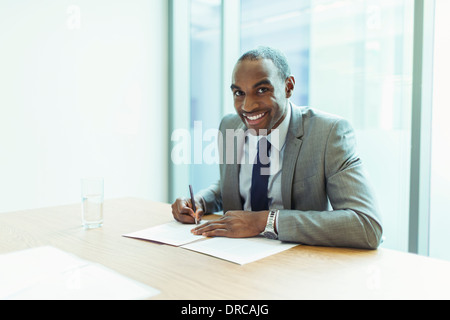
[260, 177]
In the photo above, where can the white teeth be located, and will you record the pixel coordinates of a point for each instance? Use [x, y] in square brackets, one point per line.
[256, 117]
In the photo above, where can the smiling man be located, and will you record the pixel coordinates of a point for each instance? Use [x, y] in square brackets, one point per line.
[304, 182]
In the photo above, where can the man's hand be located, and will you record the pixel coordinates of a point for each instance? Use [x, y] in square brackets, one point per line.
[235, 224]
[182, 211]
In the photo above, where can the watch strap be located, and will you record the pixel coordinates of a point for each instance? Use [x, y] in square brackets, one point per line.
[269, 231]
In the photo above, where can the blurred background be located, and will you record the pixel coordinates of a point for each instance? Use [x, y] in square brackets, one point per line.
[97, 88]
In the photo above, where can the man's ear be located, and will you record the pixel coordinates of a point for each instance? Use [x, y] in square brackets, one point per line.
[289, 85]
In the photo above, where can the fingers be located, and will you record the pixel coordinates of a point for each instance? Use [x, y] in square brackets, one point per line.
[216, 228]
[211, 229]
[216, 233]
[234, 224]
[182, 211]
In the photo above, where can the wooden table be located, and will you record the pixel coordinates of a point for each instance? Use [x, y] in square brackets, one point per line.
[303, 272]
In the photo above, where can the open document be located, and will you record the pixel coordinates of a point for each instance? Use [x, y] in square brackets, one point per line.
[173, 233]
[240, 251]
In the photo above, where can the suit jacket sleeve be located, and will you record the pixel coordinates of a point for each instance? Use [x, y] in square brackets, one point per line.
[354, 220]
[211, 198]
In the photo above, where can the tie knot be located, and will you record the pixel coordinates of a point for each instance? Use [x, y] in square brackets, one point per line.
[264, 144]
[263, 151]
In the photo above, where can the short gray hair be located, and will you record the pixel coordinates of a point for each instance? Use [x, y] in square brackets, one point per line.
[278, 58]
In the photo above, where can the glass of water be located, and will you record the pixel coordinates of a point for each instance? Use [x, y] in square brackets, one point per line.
[92, 202]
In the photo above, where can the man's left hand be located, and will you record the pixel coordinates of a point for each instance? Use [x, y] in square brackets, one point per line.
[235, 224]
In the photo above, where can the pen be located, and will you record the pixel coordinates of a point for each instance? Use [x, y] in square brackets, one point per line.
[193, 203]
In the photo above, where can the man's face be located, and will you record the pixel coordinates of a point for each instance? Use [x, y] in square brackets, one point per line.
[260, 94]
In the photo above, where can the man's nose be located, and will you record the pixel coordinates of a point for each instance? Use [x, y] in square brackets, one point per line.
[250, 105]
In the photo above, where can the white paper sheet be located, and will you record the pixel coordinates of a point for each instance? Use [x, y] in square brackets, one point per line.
[50, 273]
[173, 233]
[241, 250]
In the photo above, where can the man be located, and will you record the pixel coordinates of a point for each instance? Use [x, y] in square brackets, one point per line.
[317, 192]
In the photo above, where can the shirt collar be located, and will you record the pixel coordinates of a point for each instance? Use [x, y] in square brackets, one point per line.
[277, 137]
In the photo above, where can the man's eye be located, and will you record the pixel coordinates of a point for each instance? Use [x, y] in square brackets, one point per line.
[262, 90]
[238, 93]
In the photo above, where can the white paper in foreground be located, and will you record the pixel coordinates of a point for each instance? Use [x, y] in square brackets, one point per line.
[173, 233]
[241, 250]
[47, 273]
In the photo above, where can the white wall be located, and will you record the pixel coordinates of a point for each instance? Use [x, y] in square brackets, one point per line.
[83, 92]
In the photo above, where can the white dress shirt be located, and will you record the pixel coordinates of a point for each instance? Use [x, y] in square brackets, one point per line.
[278, 140]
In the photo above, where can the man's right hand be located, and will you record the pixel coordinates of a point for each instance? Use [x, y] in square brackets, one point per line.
[182, 211]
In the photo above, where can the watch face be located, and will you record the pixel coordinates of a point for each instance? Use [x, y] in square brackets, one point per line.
[270, 235]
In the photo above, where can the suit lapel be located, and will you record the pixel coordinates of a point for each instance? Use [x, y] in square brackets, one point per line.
[293, 144]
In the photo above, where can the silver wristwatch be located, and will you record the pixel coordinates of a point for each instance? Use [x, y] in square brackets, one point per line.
[269, 232]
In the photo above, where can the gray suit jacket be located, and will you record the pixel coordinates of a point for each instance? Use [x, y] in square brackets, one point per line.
[327, 198]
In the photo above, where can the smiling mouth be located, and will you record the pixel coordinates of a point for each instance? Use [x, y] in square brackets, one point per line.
[255, 117]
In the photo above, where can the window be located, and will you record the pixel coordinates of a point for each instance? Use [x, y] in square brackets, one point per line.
[285, 25]
[353, 58]
[205, 87]
[440, 173]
